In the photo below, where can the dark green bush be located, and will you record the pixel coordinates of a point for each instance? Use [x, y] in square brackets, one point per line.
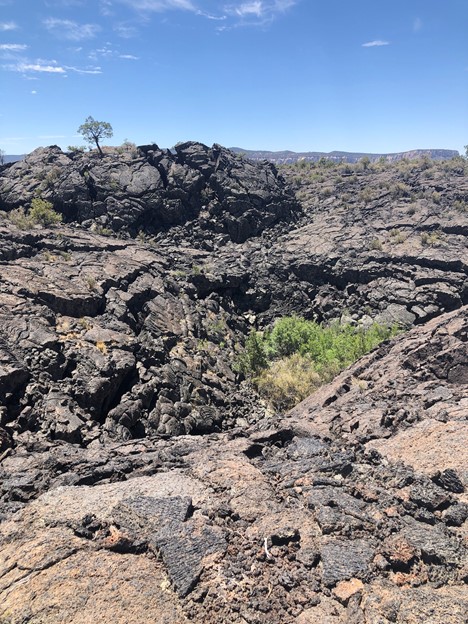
[42, 212]
[317, 353]
[253, 358]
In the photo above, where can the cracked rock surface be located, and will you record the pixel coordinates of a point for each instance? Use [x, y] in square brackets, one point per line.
[143, 480]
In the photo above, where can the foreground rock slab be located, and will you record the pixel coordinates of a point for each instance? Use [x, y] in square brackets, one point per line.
[301, 519]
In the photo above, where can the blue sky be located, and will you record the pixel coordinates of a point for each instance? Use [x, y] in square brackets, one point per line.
[367, 75]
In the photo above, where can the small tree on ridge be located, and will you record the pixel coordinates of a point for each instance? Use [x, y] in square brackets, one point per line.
[93, 131]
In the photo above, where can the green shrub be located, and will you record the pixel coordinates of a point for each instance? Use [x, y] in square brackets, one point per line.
[42, 212]
[291, 361]
[253, 358]
[400, 189]
[76, 148]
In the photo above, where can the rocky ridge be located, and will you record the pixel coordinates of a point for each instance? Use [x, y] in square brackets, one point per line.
[143, 480]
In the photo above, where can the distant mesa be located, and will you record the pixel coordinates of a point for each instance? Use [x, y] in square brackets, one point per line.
[287, 157]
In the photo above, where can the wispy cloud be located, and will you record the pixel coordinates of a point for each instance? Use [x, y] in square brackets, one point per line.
[39, 66]
[126, 31]
[264, 10]
[4, 26]
[4, 140]
[254, 12]
[210, 16]
[417, 24]
[90, 70]
[159, 6]
[246, 9]
[107, 53]
[375, 44]
[68, 29]
[233, 12]
[13, 47]
[103, 53]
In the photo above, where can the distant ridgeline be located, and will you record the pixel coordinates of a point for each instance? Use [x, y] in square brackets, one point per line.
[287, 157]
[9, 158]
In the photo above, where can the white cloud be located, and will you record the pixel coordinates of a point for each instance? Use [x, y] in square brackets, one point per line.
[247, 9]
[107, 52]
[8, 26]
[375, 44]
[13, 47]
[68, 29]
[34, 92]
[38, 67]
[104, 53]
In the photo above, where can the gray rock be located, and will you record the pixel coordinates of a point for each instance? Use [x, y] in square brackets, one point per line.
[342, 560]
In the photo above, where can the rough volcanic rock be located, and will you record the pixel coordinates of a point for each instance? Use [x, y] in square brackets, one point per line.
[149, 190]
[292, 520]
[104, 337]
[352, 508]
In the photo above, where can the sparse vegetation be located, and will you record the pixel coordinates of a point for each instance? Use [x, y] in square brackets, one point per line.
[101, 346]
[91, 282]
[430, 239]
[297, 356]
[197, 270]
[129, 148]
[396, 237]
[365, 163]
[366, 195]
[400, 189]
[41, 212]
[460, 206]
[376, 244]
[76, 148]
